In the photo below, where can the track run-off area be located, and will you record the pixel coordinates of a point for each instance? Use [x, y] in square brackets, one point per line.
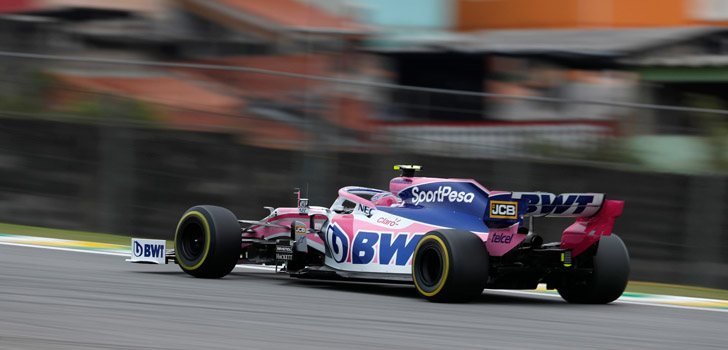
[82, 295]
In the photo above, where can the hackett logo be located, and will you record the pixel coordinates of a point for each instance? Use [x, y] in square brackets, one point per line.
[442, 194]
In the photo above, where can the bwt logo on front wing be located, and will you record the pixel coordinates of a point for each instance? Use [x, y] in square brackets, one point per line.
[148, 250]
[442, 194]
[503, 210]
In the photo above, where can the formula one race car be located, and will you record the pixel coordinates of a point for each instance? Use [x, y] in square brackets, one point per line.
[452, 238]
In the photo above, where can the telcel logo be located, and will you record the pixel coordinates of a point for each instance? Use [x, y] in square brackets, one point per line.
[502, 238]
[148, 250]
[503, 210]
[442, 194]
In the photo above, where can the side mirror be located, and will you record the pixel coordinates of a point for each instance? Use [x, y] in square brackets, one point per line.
[303, 206]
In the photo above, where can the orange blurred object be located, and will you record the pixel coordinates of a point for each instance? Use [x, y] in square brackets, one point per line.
[474, 15]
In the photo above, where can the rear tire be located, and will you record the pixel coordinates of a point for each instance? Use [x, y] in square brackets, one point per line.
[609, 278]
[207, 241]
[450, 266]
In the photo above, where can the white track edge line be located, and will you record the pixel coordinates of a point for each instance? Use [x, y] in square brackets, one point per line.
[101, 252]
[618, 301]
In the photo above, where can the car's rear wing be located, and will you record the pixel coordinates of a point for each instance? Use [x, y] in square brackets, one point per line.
[595, 216]
[561, 205]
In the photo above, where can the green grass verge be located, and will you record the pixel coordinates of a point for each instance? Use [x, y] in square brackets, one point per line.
[674, 289]
[68, 234]
[633, 286]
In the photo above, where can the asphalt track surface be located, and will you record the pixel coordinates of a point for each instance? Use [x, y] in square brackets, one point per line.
[67, 300]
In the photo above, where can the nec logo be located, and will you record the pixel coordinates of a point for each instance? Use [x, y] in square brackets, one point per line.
[503, 210]
[148, 250]
[364, 209]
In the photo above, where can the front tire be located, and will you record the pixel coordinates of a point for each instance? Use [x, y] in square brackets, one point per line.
[450, 266]
[207, 241]
[609, 278]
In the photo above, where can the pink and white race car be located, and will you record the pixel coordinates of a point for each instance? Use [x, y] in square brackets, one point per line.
[451, 238]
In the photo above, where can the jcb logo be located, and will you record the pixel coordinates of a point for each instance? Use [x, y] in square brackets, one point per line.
[503, 210]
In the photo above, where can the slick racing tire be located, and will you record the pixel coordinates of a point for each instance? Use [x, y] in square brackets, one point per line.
[450, 266]
[609, 278]
[207, 241]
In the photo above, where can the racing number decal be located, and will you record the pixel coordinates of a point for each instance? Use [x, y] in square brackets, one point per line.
[503, 210]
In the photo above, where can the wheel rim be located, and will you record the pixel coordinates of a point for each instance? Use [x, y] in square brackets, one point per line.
[192, 237]
[430, 267]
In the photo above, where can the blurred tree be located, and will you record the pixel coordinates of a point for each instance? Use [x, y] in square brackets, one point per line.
[103, 107]
[714, 127]
[25, 91]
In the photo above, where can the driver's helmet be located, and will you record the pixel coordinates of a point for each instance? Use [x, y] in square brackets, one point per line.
[385, 199]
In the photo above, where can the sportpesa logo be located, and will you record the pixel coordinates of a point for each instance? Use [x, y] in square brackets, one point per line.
[442, 194]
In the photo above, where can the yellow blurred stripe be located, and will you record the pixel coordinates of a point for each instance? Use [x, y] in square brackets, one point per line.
[74, 244]
[691, 303]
